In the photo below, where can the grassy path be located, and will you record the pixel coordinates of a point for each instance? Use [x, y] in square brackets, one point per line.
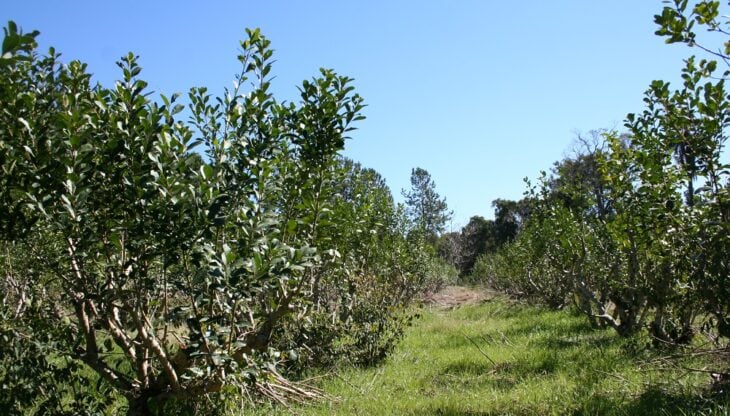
[501, 358]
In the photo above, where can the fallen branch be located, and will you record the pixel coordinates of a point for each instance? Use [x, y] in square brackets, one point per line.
[480, 349]
[279, 389]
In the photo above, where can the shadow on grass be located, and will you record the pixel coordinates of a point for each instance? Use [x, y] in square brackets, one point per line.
[522, 368]
[540, 367]
[530, 328]
[485, 375]
[508, 336]
[475, 376]
[449, 410]
[657, 401]
[599, 340]
[467, 367]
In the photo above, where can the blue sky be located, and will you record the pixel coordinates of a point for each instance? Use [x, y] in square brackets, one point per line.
[479, 93]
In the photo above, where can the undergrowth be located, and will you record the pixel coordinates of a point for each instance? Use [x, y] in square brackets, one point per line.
[504, 358]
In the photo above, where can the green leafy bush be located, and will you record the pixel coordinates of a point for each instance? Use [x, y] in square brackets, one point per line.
[167, 261]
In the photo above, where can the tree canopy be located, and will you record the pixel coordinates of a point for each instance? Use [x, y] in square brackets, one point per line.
[425, 206]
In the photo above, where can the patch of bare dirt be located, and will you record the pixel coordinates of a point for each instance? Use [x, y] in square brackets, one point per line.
[455, 296]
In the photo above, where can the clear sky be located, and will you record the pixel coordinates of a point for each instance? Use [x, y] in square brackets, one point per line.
[480, 93]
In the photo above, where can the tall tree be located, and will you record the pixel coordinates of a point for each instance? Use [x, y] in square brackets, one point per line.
[509, 217]
[425, 206]
[476, 239]
[577, 181]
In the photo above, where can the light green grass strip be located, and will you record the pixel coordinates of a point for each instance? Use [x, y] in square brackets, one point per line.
[501, 358]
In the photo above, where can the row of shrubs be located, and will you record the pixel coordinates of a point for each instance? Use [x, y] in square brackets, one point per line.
[634, 230]
[158, 257]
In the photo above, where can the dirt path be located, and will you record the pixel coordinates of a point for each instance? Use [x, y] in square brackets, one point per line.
[455, 296]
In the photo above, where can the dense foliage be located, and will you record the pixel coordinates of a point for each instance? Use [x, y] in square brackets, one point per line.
[425, 206]
[481, 236]
[163, 260]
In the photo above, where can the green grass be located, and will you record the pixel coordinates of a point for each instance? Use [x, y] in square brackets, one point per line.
[532, 362]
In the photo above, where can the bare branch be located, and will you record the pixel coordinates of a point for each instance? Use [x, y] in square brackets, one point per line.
[150, 340]
[480, 349]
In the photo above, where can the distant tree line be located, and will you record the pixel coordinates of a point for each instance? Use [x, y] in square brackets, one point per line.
[481, 236]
